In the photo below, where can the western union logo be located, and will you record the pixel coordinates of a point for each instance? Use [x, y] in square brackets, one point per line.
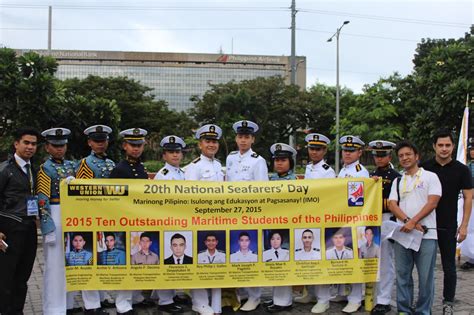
[98, 190]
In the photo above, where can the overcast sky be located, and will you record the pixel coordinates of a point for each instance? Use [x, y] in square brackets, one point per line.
[380, 39]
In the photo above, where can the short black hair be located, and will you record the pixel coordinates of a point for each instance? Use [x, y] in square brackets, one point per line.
[109, 234]
[77, 234]
[145, 234]
[244, 234]
[20, 132]
[443, 133]
[279, 232]
[292, 162]
[369, 228]
[406, 144]
[307, 230]
[211, 234]
[177, 236]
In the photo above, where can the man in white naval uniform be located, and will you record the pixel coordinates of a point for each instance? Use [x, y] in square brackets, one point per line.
[211, 255]
[172, 154]
[351, 151]
[317, 149]
[308, 252]
[172, 147]
[206, 168]
[339, 251]
[244, 254]
[246, 165]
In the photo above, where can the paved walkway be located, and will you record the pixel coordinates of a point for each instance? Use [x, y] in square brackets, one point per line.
[464, 295]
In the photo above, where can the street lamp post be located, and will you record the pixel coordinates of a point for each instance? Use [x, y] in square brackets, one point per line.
[338, 31]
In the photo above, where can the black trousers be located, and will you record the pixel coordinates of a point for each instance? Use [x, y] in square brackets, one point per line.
[16, 264]
[447, 248]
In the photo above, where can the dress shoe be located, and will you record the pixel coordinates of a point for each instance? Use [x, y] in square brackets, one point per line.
[172, 308]
[277, 308]
[267, 303]
[320, 308]
[95, 311]
[305, 298]
[107, 304]
[250, 305]
[182, 299]
[203, 310]
[131, 312]
[74, 310]
[145, 303]
[380, 309]
[351, 307]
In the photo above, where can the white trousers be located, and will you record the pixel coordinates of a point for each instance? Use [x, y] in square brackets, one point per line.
[282, 296]
[164, 297]
[387, 270]
[54, 278]
[124, 300]
[201, 297]
[324, 295]
[90, 298]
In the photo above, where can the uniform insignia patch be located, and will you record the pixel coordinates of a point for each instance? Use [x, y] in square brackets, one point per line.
[165, 171]
[325, 166]
[196, 160]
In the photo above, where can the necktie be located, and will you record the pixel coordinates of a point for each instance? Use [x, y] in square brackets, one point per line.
[276, 254]
[178, 261]
[30, 177]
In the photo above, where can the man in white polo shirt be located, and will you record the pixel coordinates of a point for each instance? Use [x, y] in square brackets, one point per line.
[412, 200]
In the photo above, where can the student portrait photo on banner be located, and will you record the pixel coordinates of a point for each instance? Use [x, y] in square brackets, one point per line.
[276, 243]
[243, 246]
[307, 244]
[78, 248]
[111, 248]
[368, 241]
[339, 243]
[178, 247]
[211, 247]
[145, 248]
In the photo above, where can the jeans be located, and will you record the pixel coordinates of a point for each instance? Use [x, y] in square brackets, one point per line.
[447, 248]
[424, 260]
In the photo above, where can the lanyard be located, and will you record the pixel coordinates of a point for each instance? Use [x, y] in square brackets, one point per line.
[209, 258]
[337, 256]
[416, 182]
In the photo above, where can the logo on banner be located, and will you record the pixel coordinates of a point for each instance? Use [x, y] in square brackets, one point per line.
[355, 192]
[97, 190]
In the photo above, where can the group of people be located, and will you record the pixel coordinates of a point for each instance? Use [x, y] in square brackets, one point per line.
[410, 199]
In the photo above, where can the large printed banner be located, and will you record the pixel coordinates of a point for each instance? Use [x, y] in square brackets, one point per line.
[141, 234]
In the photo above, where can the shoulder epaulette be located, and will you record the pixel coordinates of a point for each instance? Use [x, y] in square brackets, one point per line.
[217, 160]
[165, 171]
[197, 160]
[43, 184]
[202, 251]
[221, 251]
[358, 167]
[298, 250]
[316, 249]
[326, 166]
[84, 171]
[348, 248]
[254, 155]
[233, 152]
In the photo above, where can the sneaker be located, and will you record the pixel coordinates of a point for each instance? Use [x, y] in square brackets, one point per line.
[351, 307]
[250, 305]
[448, 309]
[203, 309]
[320, 308]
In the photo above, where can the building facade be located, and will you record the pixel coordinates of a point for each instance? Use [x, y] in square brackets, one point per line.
[174, 77]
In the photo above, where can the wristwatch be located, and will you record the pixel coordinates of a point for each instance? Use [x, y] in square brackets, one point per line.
[406, 219]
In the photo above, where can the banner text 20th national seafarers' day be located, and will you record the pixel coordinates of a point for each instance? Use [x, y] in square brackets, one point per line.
[161, 235]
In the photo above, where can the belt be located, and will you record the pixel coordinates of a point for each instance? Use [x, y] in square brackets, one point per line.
[54, 201]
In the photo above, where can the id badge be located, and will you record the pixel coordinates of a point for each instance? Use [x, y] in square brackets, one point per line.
[32, 206]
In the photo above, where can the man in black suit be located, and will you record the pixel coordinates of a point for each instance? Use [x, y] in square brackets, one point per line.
[178, 246]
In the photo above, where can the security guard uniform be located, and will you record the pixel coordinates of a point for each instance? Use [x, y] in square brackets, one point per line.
[93, 166]
[206, 169]
[51, 173]
[282, 295]
[169, 172]
[204, 257]
[313, 254]
[247, 166]
[387, 256]
[318, 169]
